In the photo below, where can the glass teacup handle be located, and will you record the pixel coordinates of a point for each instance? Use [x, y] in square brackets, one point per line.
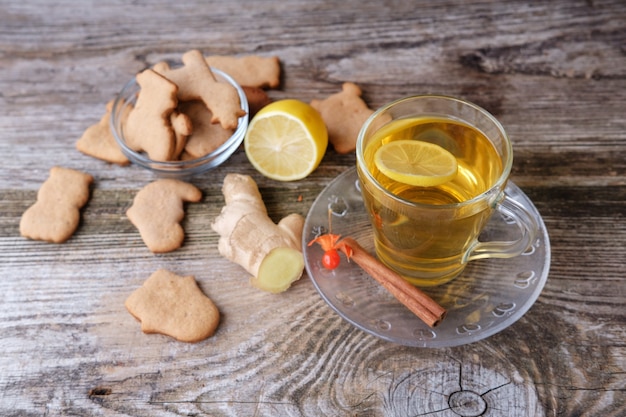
[518, 215]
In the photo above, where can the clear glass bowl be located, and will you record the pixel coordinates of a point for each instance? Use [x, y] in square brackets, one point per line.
[177, 169]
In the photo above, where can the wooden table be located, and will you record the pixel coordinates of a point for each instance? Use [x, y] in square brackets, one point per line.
[554, 73]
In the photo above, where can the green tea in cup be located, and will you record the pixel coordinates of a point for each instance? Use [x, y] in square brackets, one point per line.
[432, 171]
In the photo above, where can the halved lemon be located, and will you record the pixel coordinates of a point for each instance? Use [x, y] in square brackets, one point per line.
[416, 163]
[286, 140]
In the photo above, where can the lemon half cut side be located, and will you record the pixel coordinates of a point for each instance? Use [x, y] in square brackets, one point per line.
[416, 163]
[286, 140]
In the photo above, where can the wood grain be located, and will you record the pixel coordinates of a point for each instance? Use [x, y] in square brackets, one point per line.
[554, 73]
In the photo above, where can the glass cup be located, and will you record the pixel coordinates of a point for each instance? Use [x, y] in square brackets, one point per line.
[429, 234]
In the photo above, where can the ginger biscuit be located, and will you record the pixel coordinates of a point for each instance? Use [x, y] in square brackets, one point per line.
[158, 209]
[183, 127]
[196, 81]
[250, 70]
[174, 306]
[257, 99]
[206, 136]
[56, 214]
[344, 113]
[98, 141]
[149, 126]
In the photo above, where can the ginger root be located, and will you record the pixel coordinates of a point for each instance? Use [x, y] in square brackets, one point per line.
[271, 253]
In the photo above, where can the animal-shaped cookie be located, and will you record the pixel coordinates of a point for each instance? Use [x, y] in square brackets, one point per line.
[251, 70]
[183, 127]
[98, 141]
[196, 81]
[157, 211]
[175, 306]
[344, 113]
[149, 125]
[206, 136]
[56, 214]
[257, 99]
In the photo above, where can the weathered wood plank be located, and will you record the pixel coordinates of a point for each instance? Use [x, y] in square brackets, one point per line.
[554, 73]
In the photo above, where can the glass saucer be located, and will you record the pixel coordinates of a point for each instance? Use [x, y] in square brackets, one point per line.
[489, 296]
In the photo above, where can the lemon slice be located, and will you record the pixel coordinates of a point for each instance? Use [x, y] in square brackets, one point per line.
[416, 163]
[286, 140]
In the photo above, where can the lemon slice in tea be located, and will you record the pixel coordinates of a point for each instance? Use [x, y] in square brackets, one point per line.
[416, 163]
[286, 140]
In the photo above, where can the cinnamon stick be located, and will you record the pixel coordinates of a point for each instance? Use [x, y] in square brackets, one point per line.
[412, 297]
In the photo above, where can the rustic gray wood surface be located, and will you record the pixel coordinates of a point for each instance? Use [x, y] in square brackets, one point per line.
[553, 72]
